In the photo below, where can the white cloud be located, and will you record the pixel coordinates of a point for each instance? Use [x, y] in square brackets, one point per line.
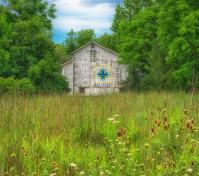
[72, 14]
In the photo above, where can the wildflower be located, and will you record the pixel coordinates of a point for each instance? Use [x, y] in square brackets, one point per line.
[101, 173]
[158, 122]
[190, 170]
[54, 164]
[53, 174]
[193, 140]
[109, 173]
[153, 130]
[43, 159]
[166, 125]
[56, 169]
[116, 115]
[185, 111]
[189, 124]
[73, 165]
[164, 110]
[13, 155]
[111, 119]
[121, 132]
[177, 135]
[119, 143]
[82, 173]
[127, 142]
[115, 121]
[159, 167]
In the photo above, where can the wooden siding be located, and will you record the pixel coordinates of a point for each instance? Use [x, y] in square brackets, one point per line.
[80, 72]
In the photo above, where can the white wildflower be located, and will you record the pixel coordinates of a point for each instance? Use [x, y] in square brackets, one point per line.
[190, 170]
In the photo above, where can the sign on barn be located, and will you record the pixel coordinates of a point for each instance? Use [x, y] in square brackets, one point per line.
[103, 75]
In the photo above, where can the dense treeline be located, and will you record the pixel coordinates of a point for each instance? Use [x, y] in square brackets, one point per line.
[159, 40]
[26, 46]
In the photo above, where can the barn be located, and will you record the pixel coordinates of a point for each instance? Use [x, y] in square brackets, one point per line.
[93, 70]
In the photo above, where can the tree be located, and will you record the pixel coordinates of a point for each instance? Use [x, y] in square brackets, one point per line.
[108, 41]
[154, 41]
[137, 41]
[85, 36]
[75, 40]
[71, 42]
[45, 75]
[178, 35]
[26, 37]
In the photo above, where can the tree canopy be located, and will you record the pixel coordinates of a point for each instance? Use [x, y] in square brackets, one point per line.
[159, 42]
[27, 48]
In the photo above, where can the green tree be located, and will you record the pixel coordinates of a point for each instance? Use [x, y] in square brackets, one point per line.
[108, 41]
[159, 46]
[75, 40]
[71, 41]
[45, 75]
[178, 35]
[137, 41]
[26, 38]
[85, 36]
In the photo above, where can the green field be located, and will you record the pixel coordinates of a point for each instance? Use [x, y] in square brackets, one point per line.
[128, 134]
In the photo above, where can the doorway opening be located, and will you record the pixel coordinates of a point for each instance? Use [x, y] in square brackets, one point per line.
[81, 90]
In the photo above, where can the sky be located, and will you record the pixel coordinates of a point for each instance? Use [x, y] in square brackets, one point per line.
[83, 14]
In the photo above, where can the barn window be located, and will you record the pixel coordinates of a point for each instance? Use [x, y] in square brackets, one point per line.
[93, 55]
[92, 45]
[81, 90]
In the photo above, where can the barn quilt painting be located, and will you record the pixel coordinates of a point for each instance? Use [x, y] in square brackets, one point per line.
[103, 75]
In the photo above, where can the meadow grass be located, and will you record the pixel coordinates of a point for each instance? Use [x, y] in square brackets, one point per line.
[154, 133]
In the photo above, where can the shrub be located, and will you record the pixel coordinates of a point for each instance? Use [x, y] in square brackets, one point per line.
[14, 85]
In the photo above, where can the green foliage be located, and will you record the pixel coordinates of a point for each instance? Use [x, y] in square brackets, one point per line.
[131, 134]
[160, 46]
[109, 41]
[75, 40]
[13, 85]
[45, 75]
[26, 41]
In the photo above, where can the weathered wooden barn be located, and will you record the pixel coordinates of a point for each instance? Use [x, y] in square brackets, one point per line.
[94, 69]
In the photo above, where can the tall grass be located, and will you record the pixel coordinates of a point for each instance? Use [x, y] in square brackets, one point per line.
[152, 133]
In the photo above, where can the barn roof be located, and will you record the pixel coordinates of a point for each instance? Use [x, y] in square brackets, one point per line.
[92, 42]
[89, 43]
[67, 62]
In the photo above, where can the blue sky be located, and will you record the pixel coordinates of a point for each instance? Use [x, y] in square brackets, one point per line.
[83, 14]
